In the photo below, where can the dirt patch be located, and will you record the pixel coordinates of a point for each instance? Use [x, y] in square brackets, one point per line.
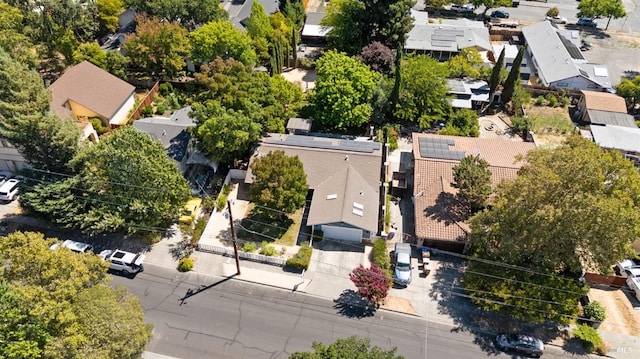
[398, 304]
[621, 317]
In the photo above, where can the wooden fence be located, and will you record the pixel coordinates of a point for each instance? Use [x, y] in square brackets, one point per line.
[148, 99]
[228, 252]
[609, 281]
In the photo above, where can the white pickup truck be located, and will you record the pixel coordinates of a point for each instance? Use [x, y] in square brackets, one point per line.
[504, 22]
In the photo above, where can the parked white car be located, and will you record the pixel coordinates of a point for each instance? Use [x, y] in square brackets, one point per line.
[74, 246]
[634, 284]
[623, 266]
[556, 19]
[124, 262]
[9, 190]
[462, 8]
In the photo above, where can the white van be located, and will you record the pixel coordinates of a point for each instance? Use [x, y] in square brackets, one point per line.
[74, 246]
[9, 190]
[124, 262]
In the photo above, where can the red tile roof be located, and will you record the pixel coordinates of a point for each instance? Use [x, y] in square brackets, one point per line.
[438, 214]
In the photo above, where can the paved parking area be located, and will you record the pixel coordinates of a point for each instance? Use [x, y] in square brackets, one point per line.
[619, 51]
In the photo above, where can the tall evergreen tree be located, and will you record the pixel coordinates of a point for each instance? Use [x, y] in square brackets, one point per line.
[514, 76]
[494, 81]
[294, 11]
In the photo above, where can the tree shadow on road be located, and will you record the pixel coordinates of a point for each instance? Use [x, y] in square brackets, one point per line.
[351, 305]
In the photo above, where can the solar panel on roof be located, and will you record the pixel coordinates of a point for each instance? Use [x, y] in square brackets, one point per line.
[311, 142]
[445, 44]
[438, 148]
[573, 50]
[456, 86]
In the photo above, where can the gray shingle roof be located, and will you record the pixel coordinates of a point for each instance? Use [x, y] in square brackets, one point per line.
[617, 137]
[450, 35]
[172, 132]
[598, 117]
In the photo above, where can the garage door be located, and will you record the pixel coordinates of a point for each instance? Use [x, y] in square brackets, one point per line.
[342, 233]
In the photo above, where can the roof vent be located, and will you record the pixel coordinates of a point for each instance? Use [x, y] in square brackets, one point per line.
[332, 196]
[358, 205]
[164, 132]
[358, 212]
[346, 158]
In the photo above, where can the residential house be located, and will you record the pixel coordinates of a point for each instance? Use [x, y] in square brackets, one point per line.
[468, 93]
[86, 91]
[175, 136]
[240, 11]
[298, 126]
[621, 138]
[444, 38]
[312, 31]
[558, 61]
[510, 54]
[344, 181]
[126, 26]
[602, 108]
[440, 218]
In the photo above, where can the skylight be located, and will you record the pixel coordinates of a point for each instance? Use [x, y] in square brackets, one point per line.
[332, 196]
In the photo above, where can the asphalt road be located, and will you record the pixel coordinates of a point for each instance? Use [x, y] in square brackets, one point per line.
[198, 316]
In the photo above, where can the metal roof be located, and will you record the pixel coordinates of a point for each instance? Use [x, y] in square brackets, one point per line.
[617, 137]
[598, 117]
[450, 35]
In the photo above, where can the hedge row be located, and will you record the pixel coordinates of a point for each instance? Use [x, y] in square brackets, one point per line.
[302, 258]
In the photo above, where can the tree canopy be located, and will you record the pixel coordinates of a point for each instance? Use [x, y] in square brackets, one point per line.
[357, 23]
[629, 89]
[602, 8]
[344, 88]
[423, 91]
[472, 178]
[124, 182]
[352, 347]
[279, 182]
[373, 283]
[56, 304]
[490, 4]
[222, 39]
[158, 47]
[572, 207]
[378, 57]
[108, 11]
[188, 13]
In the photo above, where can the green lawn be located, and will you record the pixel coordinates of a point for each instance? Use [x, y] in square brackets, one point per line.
[263, 226]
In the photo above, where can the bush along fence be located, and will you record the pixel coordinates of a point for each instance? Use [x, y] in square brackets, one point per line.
[228, 252]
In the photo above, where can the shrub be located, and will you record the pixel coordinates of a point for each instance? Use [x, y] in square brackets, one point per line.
[98, 125]
[521, 125]
[165, 89]
[226, 189]
[198, 229]
[209, 204]
[267, 249]
[161, 108]
[564, 101]
[302, 258]
[553, 11]
[185, 264]
[146, 111]
[594, 311]
[221, 202]
[552, 100]
[590, 338]
[249, 247]
[380, 255]
[540, 101]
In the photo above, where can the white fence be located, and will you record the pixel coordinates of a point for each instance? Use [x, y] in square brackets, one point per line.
[228, 252]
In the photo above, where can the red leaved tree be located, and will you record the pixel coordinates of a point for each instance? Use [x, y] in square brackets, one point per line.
[372, 283]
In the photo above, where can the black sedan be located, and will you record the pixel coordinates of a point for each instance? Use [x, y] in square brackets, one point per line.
[520, 343]
[501, 14]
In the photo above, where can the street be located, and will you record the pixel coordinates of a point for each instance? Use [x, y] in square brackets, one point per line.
[199, 316]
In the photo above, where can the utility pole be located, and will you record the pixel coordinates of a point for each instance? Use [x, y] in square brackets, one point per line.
[233, 238]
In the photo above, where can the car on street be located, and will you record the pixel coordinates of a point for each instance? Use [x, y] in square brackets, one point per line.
[462, 8]
[402, 269]
[123, 262]
[585, 21]
[556, 19]
[520, 343]
[190, 210]
[622, 266]
[500, 14]
[74, 246]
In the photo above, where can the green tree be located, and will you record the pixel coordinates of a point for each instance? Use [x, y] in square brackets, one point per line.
[629, 89]
[357, 23]
[108, 11]
[602, 8]
[494, 81]
[55, 303]
[258, 25]
[13, 37]
[225, 135]
[22, 93]
[279, 182]
[423, 93]
[352, 347]
[490, 4]
[124, 182]
[90, 52]
[221, 39]
[472, 178]
[187, 12]
[570, 206]
[464, 64]
[521, 125]
[514, 77]
[158, 47]
[343, 90]
[116, 64]
[462, 122]
[294, 11]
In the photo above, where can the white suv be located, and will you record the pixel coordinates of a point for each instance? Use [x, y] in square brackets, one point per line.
[122, 261]
[9, 190]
